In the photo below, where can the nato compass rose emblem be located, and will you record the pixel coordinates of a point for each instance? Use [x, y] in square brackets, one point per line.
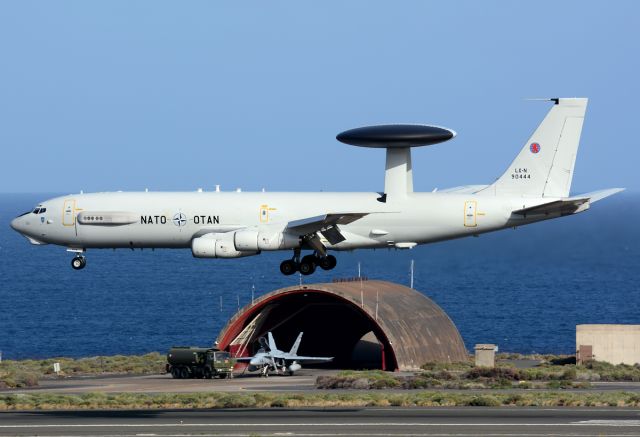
[534, 147]
[179, 219]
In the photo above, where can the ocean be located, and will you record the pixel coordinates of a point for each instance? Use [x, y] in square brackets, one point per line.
[524, 290]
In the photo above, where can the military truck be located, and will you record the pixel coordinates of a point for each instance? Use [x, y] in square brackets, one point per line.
[196, 362]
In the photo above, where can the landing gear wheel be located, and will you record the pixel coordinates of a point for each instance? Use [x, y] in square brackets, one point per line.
[328, 262]
[288, 267]
[308, 265]
[78, 263]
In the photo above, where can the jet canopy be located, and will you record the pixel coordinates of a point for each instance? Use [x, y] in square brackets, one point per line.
[396, 135]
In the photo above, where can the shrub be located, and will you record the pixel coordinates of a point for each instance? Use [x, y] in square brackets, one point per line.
[508, 373]
[483, 401]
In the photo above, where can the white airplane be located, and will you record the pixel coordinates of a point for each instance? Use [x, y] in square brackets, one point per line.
[218, 224]
[269, 357]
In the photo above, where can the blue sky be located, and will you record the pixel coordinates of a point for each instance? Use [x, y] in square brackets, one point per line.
[99, 96]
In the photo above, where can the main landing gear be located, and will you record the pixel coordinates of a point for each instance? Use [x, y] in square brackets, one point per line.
[78, 262]
[307, 265]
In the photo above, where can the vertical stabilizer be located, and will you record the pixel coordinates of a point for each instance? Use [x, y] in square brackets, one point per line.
[296, 345]
[272, 342]
[544, 166]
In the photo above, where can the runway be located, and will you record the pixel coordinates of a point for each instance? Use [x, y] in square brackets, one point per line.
[469, 421]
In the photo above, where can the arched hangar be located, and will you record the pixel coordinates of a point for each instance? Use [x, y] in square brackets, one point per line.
[363, 324]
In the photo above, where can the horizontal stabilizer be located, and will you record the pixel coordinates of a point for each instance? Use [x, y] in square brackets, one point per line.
[569, 205]
[564, 207]
[594, 196]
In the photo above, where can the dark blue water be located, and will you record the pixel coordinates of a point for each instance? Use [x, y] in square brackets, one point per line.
[524, 290]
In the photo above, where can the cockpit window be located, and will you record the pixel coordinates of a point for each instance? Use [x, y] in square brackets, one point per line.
[36, 211]
[43, 210]
[39, 210]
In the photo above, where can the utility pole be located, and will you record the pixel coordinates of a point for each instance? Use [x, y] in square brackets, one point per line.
[411, 274]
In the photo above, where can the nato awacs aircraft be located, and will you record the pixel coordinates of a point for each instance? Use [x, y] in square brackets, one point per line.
[217, 224]
[270, 357]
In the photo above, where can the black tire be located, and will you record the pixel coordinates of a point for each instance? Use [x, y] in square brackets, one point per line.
[208, 374]
[184, 373]
[175, 373]
[328, 262]
[288, 267]
[307, 267]
[78, 263]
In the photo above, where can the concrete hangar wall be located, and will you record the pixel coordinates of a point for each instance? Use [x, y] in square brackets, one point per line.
[615, 344]
[363, 324]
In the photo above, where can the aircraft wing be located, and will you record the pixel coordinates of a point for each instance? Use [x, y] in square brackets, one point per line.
[569, 205]
[305, 359]
[309, 360]
[326, 224]
[464, 189]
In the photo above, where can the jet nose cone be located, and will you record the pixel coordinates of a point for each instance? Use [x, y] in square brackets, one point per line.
[15, 224]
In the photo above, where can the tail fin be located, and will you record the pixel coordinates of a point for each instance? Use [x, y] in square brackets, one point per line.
[296, 345]
[272, 342]
[544, 166]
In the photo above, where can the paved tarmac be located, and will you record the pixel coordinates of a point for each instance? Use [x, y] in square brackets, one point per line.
[469, 421]
[303, 381]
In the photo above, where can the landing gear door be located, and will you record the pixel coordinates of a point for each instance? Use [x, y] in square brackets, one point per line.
[470, 214]
[69, 213]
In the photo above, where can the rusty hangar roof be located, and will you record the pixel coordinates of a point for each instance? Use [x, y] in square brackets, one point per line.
[411, 328]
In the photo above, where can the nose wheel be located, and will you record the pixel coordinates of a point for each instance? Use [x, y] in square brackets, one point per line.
[307, 265]
[78, 262]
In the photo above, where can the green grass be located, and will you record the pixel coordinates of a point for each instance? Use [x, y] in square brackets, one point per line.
[91, 401]
[26, 373]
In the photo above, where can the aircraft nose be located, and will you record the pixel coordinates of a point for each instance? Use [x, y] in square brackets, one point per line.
[15, 224]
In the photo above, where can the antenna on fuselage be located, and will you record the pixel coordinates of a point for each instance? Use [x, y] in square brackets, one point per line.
[398, 139]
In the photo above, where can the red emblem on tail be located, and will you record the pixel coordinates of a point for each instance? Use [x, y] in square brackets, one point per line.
[534, 147]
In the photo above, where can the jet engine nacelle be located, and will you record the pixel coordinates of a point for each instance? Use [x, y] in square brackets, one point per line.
[217, 246]
[256, 241]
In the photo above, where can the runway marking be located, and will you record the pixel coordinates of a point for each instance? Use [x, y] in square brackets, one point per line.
[610, 422]
[356, 434]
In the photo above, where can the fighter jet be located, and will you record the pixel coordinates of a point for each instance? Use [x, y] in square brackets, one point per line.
[535, 187]
[269, 357]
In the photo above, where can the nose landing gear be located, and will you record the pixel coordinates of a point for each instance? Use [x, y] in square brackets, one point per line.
[307, 265]
[78, 262]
